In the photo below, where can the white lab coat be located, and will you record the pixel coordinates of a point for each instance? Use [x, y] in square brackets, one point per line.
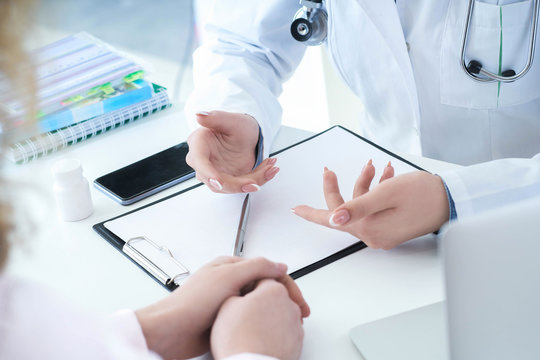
[37, 324]
[403, 61]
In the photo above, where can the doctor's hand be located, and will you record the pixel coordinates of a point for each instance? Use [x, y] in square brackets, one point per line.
[179, 325]
[222, 153]
[265, 321]
[398, 209]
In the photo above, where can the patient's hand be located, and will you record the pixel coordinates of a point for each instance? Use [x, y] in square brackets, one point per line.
[265, 321]
[179, 325]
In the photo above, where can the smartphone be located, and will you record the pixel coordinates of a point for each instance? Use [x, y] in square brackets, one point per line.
[147, 176]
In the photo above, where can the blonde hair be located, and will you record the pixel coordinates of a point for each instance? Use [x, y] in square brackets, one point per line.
[16, 68]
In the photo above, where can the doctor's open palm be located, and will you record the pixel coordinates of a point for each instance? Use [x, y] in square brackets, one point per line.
[398, 209]
[222, 153]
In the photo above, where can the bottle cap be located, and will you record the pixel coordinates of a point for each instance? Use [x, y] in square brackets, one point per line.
[67, 170]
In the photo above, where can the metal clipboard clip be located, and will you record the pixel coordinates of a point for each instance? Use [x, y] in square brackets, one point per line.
[156, 259]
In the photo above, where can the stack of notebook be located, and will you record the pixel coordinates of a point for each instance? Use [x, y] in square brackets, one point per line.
[85, 87]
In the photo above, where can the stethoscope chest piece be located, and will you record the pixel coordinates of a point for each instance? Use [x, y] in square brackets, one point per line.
[310, 23]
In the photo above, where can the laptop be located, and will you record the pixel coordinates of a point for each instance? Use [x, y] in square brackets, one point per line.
[492, 307]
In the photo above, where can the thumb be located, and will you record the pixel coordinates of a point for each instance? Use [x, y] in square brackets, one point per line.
[219, 121]
[255, 269]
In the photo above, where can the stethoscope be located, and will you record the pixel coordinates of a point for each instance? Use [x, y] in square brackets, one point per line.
[310, 23]
[474, 68]
[310, 27]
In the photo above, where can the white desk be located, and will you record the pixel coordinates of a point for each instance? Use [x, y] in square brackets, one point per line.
[78, 263]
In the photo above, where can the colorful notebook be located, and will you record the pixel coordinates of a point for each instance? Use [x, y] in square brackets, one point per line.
[108, 99]
[41, 145]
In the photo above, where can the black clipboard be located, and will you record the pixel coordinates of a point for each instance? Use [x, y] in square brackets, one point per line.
[168, 279]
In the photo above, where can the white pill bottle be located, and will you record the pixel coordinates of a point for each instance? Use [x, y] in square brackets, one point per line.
[71, 190]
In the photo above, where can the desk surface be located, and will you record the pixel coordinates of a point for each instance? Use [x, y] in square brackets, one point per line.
[80, 265]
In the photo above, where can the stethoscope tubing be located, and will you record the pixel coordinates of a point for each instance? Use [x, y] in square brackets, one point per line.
[489, 76]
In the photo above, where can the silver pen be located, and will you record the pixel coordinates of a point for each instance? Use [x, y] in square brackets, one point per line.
[238, 248]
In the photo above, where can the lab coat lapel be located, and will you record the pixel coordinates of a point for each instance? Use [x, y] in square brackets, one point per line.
[384, 15]
[366, 44]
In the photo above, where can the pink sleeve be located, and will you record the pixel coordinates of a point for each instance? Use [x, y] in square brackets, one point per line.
[126, 324]
[249, 356]
[52, 328]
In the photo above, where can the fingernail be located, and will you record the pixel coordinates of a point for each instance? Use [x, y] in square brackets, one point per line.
[340, 217]
[389, 164]
[325, 169]
[270, 173]
[251, 188]
[293, 210]
[370, 162]
[272, 161]
[203, 113]
[216, 184]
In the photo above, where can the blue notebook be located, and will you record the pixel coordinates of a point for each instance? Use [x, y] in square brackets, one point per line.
[107, 99]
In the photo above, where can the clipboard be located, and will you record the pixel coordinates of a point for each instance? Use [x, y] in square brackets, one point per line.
[171, 238]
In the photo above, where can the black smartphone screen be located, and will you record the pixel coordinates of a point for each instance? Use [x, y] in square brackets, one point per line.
[147, 176]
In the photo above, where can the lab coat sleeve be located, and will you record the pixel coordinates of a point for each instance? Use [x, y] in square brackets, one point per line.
[488, 185]
[246, 54]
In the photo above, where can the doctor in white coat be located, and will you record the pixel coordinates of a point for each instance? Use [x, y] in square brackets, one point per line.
[403, 60]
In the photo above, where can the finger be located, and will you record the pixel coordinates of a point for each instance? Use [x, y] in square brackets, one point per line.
[236, 184]
[259, 176]
[292, 289]
[264, 285]
[362, 206]
[296, 295]
[221, 260]
[208, 174]
[271, 173]
[273, 288]
[250, 182]
[331, 189]
[364, 180]
[219, 121]
[250, 270]
[317, 216]
[221, 182]
[388, 172]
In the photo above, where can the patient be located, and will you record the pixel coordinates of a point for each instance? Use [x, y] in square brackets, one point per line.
[235, 308]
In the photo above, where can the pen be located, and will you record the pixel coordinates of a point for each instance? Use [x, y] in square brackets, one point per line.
[238, 248]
